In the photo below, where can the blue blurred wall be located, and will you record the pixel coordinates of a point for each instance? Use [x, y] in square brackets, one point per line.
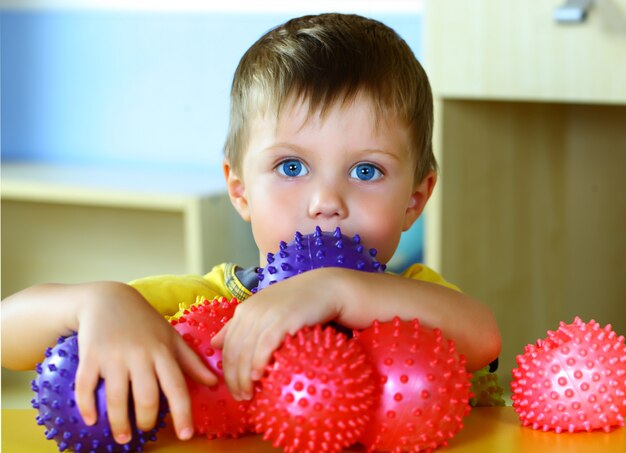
[129, 88]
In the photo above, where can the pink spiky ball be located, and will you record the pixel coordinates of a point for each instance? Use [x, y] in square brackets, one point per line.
[425, 387]
[317, 393]
[573, 380]
[215, 412]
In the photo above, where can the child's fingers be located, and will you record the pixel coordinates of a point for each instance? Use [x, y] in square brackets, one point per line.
[87, 377]
[218, 339]
[242, 370]
[116, 389]
[263, 350]
[145, 395]
[230, 373]
[235, 343]
[192, 365]
[252, 336]
[175, 389]
[254, 356]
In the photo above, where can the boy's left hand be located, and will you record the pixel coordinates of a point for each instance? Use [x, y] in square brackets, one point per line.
[261, 323]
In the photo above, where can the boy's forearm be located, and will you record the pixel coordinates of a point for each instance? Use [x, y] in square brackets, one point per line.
[34, 318]
[468, 322]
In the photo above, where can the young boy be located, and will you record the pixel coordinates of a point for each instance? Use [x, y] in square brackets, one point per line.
[331, 124]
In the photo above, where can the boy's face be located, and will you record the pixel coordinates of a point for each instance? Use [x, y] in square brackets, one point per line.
[340, 171]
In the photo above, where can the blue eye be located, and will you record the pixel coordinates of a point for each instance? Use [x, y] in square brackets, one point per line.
[366, 172]
[292, 168]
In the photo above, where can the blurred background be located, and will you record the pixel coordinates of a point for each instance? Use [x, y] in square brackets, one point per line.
[143, 85]
[114, 115]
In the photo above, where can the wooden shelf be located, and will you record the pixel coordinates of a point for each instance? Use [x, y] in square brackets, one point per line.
[165, 189]
[73, 224]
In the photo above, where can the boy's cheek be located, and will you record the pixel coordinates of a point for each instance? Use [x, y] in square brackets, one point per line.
[279, 219]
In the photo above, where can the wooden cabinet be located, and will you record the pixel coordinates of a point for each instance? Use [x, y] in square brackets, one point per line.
[530, 208]
[491, 49]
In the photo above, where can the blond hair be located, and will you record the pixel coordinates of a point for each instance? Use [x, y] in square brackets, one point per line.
[331, 58]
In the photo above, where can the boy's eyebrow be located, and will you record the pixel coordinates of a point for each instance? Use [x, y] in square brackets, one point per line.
[382, 151]
[297, 148]
[273, 146]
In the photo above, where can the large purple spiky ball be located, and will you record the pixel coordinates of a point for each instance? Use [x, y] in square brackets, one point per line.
[317, 250]
[56, 403]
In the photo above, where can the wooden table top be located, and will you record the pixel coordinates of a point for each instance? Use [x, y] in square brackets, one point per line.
[487, 429]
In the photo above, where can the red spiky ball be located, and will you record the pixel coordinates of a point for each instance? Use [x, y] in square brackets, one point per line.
[215, 413]
[573, 380]
[425, 387]
[316, 394]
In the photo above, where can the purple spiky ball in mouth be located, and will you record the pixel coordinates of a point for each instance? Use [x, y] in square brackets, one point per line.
[317, 250]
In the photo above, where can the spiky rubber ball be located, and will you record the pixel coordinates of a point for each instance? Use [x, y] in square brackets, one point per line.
[425, 387]
[215, 412]
[573, 380]
[317, 393]
[56, 403]
[317, 250]
[486, 389]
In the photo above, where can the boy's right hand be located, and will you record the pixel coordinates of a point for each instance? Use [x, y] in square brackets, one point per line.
[123, 340]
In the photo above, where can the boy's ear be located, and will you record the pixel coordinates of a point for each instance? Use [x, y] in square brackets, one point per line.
[418, 199]
[236, 191]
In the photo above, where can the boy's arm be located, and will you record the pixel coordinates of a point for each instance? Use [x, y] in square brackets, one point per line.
[33, 319]
[353, 299]
[121, 339]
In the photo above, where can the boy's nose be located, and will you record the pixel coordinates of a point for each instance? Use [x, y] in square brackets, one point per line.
[327, 201]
